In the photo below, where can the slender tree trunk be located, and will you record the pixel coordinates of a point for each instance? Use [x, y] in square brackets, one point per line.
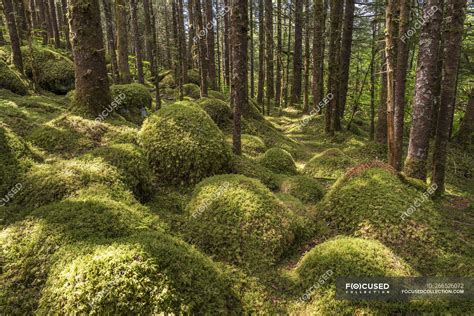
[298, 54]
[239, 72]
[372, 81]
[279, 64]
[288, 58]
[149, 37]
[34, 15]
[318, 53]
[19, 6]
[270, 92]
[66, 25]
[13, 32]
[121, 16]
[381, 131]
[43, 20]
[49, 22]
[226, 46]
[307, 50]
[451, 54]
[92, 86]
[54, 24]
[261, 55]
[466, 131]
[109, 26]
[346, 47]
[3, 42]
[155, 55]
[425, 89]
[183, 65]
[166, 18]
[252, 49]
[137, 41]
[211, 54]
[203, 61]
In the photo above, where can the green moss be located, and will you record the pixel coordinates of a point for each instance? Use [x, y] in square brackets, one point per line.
[306, 189]
[278, 160]
[372, 202]
[183, 144]
[133, 100]
[238, 220]
[331, 163]
[54, 72]
[10, 80]
[192, 90]
[217, 109]
[252, 145]
[217, 95]
[248, 167]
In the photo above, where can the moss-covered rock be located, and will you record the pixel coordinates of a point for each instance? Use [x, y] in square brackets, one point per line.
[306, 189]
[132, 101]
[217, 95]
[252, 145]
[54, 72]
[192, 90]
[131, 163]
[248, 167]
[331, 163]
[10, 80]
[278, 160]
[217, 109]
[184, 145]
[238, 220]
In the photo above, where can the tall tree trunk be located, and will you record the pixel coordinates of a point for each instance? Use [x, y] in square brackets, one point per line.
[318, 53]
[149, 37]
[3, 42]
[252, 49]
[466, 131]
[211, 53]
[239, 42]
[43, 21]
[20, 18]
[54, 24]
[298, 54]
[34, 15]
[425, 89]
[400, 82]
[183, 65]
[203, 61]
[346, 48]
[137, 41]
[166, 18]
[192, 33]
[261, 54]
[155, 55]
[227, 69]
[13, 32]
[66, 25]
[218, 48]
[279, 64]
[307, 50]
[381, 131]
[270, 92]
[109, 26]
[288, 58]
[49, 22]
[121, 16]
[451, 55]
[92, 86]
[372, 81]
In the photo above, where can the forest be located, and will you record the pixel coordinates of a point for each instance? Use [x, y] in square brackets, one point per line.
[236, 157]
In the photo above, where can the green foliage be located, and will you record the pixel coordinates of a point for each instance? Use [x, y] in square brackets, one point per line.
[238, 220]
[331, 163]
[131, 163]
[192, 90]
[10, 80]
[248, 167]
[183, 144]
[217, 109]
[132, 99]
[306, 189]
[54, 72]
[278, 160]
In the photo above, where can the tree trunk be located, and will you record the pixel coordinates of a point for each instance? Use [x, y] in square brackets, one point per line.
[137, 41]
[372, 81]
[270, 93]
[13, 32]
[66, 25]
[109, 26]
[286, 88]
[149, 37]
[252, 50]
[226, 46]
[346, 47]
[3, 42]
[239, 42]
[466, 131]
[318, 53]
[192, 33]
[381, 131]
[307, 50]
[34, 15]
[298, 54]
[43, 20]
[451, 55]
[166, 18]
[261, 55]
[121, 16]
[155, 55]
[201, 42]
[49, 22]
[92, 92]
[279, 64]
[425, 89]
[211, 55]
[54, 24]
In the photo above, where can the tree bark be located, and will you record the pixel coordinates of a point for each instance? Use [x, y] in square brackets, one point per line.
[279, 65]
[425, 89]
[451, 55]
[466, 131]
[121, 16]
[201, 42]
[261, 55]
[298, 54]
[43, 21]
[227, 69]
[318, 53]
[270, 92]
[252, 50]
[13, 32]
[239, 42]
[155, 55]
[307, 50]
[372, 81]
[137, 41]
[346, 48]
[92, 92]
[3, 42]
[109, 26]
[66, 25]
[54, 24]
[211, 54]
[381, 130]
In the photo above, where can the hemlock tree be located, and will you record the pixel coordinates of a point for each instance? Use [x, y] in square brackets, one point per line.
[92, 86]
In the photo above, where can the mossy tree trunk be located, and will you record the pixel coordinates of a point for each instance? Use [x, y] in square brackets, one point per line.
[110, 31]
[297, 54]
[66, 25]
[92, 93]
[270, 93]
[239, 40]
[346, 49]
[318, 53]
[252, 50]
[279, 61]
[137, 40]
[183, 63]
[466, 131]
[201, 43]
[155, 54]
[451, 55]
[13, 32]
[307, 50]
[121, 16]
[425, 89]
[261, 55]
[381, 129]
[211, 55]
[227, 52]
[3, 42]
[54, 24]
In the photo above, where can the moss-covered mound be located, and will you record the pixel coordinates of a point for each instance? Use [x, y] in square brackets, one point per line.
[217, 95]
[306, 189]
[217, 109]
[373, 202]
[252, 145]
[10, 80]
[169, 80]
[131, 163]
[183, 144]
[238, 220]
[331, 163]
[192, 90]
[54, 72]
[278, 160]
[132, 101]
[248, 167]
